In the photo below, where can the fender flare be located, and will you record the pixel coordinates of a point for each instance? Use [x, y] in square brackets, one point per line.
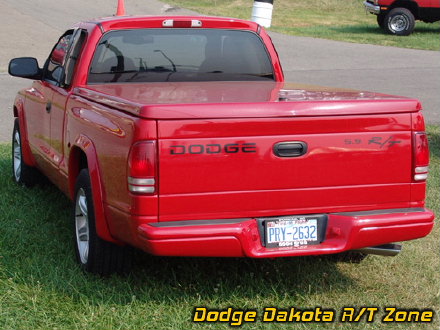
[19, 113]
[86, 145]
[411, 5]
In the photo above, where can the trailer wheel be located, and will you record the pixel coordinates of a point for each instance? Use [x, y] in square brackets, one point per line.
[400, 21]
[93, 253]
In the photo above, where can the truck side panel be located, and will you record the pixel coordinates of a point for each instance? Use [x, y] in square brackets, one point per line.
[112, 133]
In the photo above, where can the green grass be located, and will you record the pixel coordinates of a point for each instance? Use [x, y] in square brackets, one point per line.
[328, 19]
[41, 287]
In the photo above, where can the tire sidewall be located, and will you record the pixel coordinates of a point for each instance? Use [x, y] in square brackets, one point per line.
[409, 17]
[104, 258]
[83, 182]
[381, 20]
[14, 132]
[26, 178]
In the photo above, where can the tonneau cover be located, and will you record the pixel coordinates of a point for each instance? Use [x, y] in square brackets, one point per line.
[190, 100]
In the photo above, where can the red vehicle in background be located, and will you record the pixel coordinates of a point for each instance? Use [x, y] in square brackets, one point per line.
[398, 16]
[179, 136]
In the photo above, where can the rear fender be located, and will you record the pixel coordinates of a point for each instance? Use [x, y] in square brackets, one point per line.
[83, 143]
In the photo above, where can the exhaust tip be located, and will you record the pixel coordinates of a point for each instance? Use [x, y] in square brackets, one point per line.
[388, 250]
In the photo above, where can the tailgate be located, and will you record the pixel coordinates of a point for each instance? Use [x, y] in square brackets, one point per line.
[254, 167]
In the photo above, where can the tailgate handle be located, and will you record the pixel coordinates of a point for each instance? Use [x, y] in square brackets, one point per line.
[290, 149]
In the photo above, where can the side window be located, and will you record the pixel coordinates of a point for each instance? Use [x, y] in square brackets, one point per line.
[54, 64]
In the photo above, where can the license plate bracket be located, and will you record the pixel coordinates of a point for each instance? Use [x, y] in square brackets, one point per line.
[293, 231]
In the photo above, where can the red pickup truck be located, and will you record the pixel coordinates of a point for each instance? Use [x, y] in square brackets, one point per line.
[179, 136]
[398, 16]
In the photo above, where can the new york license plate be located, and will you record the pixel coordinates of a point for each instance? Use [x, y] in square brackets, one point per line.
[291, 231]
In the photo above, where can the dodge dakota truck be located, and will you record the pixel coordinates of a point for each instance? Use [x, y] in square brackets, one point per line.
[178, 136]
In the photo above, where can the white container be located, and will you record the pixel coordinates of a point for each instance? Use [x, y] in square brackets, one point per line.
[262, 13]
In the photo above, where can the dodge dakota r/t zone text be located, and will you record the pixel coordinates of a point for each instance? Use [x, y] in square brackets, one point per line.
[179, 136]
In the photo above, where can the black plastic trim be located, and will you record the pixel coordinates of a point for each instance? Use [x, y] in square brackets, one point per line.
[36, 76]
[99, 25]
[290, 149]
[260, 221]
[386, 211]
[185, 223]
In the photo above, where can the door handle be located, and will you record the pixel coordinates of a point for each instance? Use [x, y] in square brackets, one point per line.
[48, 106]
[290, 149]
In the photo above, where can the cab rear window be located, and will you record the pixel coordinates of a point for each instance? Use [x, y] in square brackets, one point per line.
[157, 55]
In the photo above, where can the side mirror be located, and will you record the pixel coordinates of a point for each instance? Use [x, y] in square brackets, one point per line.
[25, 67]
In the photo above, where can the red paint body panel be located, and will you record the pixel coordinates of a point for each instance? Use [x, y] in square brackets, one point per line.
[359, 156]
[420, 3]
[263, 170]
[28, 157]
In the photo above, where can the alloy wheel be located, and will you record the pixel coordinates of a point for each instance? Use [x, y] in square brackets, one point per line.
[82, 226]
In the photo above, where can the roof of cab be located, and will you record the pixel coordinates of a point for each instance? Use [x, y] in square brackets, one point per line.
[139, 22]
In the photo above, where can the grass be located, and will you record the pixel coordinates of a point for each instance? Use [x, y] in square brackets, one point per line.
[41, 287]
[328, 19]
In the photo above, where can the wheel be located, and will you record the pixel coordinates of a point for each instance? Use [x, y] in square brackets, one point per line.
[400, 21]
[381, 20]
[21, 173]
[93, 253]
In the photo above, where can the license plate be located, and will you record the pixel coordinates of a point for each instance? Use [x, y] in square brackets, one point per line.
[292, 231]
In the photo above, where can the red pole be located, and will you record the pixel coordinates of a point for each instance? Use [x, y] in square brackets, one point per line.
[121, 8]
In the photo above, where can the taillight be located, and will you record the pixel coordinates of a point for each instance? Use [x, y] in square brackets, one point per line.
[142, 168]
[421, 156]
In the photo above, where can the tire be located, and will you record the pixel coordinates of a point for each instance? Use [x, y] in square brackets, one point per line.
[381, 20]
[93, 254]
[399, 21]
[21, 173]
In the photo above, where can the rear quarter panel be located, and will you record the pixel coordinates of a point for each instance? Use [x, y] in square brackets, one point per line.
[112, 133]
